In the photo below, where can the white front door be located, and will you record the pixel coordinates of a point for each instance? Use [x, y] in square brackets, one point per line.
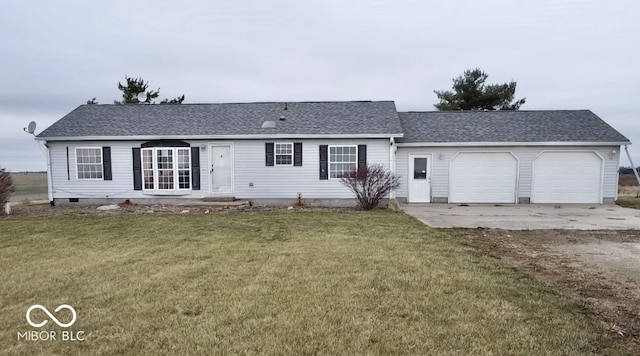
[221, 168]
[419, 179]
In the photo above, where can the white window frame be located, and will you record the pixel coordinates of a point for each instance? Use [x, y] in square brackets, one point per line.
[175, 168]
[275, 153]
[329, 162]
[99, 149]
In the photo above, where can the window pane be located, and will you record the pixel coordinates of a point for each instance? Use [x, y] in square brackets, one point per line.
[147, 159]
[166, 168]
[183, 159]
[419, 168]
[284, 153]
[148, 179]
[184, 179]
[165, 158]
[89, 163]
[284, 159]
[342, 161]
[165, 179]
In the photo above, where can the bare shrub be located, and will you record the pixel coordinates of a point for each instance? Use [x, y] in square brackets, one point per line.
[6, 184]
[371, 184]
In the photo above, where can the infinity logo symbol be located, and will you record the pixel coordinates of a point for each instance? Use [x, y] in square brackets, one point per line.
[53, 318]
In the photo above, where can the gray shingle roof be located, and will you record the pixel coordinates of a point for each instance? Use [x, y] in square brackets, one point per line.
[304, 118]
[506, 126]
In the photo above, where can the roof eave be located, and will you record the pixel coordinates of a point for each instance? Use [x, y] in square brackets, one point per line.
[546, 143]
[215, 137]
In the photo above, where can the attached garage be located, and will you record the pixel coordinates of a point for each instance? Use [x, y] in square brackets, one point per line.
[483, 177]
[513, 156]
[567, 177]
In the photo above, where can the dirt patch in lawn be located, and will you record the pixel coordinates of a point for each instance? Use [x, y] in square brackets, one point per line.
[28, 210]
[599, 268]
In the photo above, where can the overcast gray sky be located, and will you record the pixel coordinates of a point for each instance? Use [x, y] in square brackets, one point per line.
[574, 54]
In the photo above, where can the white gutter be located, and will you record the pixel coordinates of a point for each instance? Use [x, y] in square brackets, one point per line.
[392, 163]
[633, 167]
[49, 177]
[212, 137]
[475, 144]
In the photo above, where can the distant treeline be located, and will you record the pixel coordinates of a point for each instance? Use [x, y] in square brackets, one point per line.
[30, 172]
[627, 170]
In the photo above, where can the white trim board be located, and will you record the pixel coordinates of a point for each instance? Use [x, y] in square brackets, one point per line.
[517, 144]
[217, 137]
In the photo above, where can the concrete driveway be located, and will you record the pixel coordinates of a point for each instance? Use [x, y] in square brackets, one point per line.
[526, 216]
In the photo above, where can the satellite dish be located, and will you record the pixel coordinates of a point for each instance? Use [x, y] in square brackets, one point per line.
[31, 128]
[142, 97]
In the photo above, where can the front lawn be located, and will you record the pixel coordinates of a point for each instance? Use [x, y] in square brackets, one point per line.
[276, 283]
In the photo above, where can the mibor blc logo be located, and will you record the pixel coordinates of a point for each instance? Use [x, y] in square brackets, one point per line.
[50, 335]
[51, 316]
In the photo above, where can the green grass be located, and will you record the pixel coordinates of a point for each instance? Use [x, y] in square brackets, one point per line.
[277, 283]
[32, 186]
[628, 202]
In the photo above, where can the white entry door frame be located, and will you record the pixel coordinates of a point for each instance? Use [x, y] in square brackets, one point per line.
[419, 185]
[221, 168]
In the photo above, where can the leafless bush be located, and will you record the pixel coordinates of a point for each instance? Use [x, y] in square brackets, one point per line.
[371, 184]
[5, 187]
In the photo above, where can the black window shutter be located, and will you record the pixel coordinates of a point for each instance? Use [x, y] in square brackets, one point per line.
[324, 164]
[137, 169]
[106, 163]
[195, 168]
[68, 172]
[362, 157]
[297, 153]
[268, 154]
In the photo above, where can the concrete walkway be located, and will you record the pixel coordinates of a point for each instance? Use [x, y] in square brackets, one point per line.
[526, 216]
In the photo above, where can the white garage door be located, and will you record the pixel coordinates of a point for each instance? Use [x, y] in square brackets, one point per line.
[567, 177]
[483, 177]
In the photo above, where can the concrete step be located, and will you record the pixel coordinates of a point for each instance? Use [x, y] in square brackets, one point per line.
[219, 199]
[215, 203]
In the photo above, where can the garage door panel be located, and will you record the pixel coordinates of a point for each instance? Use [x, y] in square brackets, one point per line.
[567, 177]
[483, 177]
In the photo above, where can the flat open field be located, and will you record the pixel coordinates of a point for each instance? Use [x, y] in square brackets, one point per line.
[627, 180]
[628, 186]
[280, 282]
[28, 187]
[628, 191]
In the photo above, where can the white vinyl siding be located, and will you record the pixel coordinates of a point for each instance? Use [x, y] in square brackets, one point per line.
[253, 180]
[525, 156]
[89, 163]
[248, 167]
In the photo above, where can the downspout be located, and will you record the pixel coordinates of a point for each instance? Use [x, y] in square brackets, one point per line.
[49, 173]
[633, 166]
[392, 163]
